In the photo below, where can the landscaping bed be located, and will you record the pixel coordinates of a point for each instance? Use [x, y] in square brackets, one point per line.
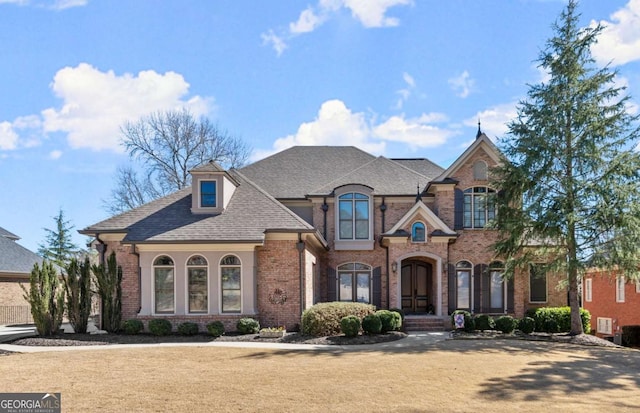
[581, 339]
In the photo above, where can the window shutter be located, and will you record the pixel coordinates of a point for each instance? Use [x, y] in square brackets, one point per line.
[510, 295]
[478, 286]
[331, 284]
[458, 209]
[376, 294]
[451, 282]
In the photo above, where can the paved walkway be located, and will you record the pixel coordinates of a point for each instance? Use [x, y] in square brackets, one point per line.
[414, 340]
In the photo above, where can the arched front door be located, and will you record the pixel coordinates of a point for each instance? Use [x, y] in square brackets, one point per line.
[416, 277]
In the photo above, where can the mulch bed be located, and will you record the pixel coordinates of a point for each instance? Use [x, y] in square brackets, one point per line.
[581, 339]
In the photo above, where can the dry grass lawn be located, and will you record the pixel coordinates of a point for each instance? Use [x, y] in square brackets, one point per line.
[450, 376]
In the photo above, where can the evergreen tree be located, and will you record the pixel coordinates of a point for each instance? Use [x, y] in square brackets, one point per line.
[46, 297]
[571, 183]
[58, 246]
[109, 283]
[77, 285]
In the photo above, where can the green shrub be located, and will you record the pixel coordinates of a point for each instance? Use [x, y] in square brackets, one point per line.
[391, 321]
[506, 324]
[46, 298]
[527, 325]
[466, 314]
[77, 285]
[485, 322]
[323, 319]
[159, 327]
[371, 324]
[188, 328]
[132, 326]
[551, 326]
[631, 336]
[561, 316]
[469, 324]
[215, 328]
[248, 325]
[399, 311]
[350, 325]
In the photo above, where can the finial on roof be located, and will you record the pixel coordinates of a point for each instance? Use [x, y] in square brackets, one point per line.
[479, 131]
[418, 193]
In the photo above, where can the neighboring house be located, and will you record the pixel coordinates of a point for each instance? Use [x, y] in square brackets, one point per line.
[612, 300]
[16, 263]
[315, 224]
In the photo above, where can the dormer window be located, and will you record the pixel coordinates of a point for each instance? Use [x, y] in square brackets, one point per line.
[208, 194]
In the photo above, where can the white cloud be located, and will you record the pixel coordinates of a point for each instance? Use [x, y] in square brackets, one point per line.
[96, 103]
[462, 85]
[67, 4]
[337, 125]
[56, 154]
[493, 121]
[370, 13]
[619, 42]
[8, 137]
[53, 5]
[405, 92]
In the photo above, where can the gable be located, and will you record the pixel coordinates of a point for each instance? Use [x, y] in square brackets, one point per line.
[420, 212]
[481, 148]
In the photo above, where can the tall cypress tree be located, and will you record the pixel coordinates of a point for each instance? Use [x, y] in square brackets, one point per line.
[571, 183]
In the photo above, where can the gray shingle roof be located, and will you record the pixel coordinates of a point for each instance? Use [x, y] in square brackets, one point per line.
[250, 212]
[211, 166]
[297, 171]
[7, 234]
[14, 258]
[422, 166]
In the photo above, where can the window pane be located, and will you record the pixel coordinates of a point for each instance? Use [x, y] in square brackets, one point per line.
[537, 284]
[467, 211]
[197, 260]
[346, 287]
[346, 230]
[362, 210]
[231, 301]
[346, 196]
[164, 290]
[496, 290]
[163, 260]
[418, 232]
[198, 290]
[208, 193]
[362, 229]
[230, 260]
[479, 211]
[360, 196]
[463, 278]
[230, 278]
[346, 210]
[362, 289]
[358, 266]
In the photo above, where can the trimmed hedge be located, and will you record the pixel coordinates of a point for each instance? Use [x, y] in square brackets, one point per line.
[371, 324]
[485, 322]
[391, 321]
[159, 327]
[558, 319]
[188, 328]
[631, 336]
[132, 326]
[506, 324]
[527, 325]
[324, 319]
[469, 324]
[248, 325]
[399, 311]
[350, 325]
[215, 328]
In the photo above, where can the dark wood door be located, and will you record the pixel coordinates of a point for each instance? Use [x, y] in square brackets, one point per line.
[415, 286]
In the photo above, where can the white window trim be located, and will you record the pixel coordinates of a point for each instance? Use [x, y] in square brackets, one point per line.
[588, 290]
[353, 244]
[546, 293]
[604, 325]
[186, 282]
[220, 291]
[620, 291]
[153, 284]
[425, 232]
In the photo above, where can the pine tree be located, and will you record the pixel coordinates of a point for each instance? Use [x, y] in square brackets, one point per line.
[571, 183]
[58, 247]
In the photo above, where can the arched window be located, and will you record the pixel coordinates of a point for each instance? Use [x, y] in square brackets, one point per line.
[197, 280]
[463, 285]
[496, 286]
[163, 282]
[418, 232]
[231, 286]
[480, 171]
[353, 221]
[354, 282]
[479, 206]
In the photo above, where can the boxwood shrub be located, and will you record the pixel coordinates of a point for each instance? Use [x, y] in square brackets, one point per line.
[323, 319]
[391, 321]
[371, 324]
[132, 326]
[485, 322]
[399, 311]
[188, 328]
[350, 325]
[631, 335]
[215, 328]
[561, 316]
[469, 324]
[160, 327]
[506, 324]
[527, 325]
[248, 325]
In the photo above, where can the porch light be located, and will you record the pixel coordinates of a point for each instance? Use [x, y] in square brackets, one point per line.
[394, 266]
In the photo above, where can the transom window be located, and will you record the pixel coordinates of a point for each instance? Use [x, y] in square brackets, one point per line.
[418, 232]
[230, 272]
[208, 194]
[197, 283]
[479, 206]
[354, 282]
[537, 284]
[353, 219]
[463, 285]
[163, 281]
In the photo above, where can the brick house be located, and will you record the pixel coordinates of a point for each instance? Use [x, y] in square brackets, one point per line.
[315, 224]
[16, 263]
[612, 300]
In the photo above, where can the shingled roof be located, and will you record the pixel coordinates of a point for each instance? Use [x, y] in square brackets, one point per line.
[248, 215]
[14, 258]
[421, 165]
[7, 234]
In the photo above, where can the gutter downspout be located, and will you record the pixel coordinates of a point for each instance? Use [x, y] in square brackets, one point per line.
[101, 248]
[300, 247]
[137, 254]
[325, 208]
[383, 208]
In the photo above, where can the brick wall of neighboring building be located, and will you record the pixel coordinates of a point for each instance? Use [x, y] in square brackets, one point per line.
[603, 303]
[14, 309]
[130, 282]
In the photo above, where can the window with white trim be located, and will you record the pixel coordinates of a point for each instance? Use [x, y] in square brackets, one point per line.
[418, 232]
[588, 290]
[197, 284]
[620, 284]
[163, 285]
[603, 325]
[354, 282]
[479, 206]
[496, 285]
[463, 285]
[537, 284]
[353, 216]
[231, 288]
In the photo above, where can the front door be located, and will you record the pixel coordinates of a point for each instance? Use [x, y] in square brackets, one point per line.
[416, 286]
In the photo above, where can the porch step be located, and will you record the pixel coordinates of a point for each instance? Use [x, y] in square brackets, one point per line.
[418, 323]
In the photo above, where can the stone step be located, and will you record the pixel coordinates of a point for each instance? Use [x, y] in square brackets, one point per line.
[423, 324]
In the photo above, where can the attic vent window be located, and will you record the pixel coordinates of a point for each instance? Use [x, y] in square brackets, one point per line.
[480, 171]
[418, 232]
[208, 194]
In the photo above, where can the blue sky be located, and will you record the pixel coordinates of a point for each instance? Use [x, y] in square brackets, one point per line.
[399, 78]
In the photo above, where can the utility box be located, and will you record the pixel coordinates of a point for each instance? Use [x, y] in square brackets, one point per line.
[617, 339]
